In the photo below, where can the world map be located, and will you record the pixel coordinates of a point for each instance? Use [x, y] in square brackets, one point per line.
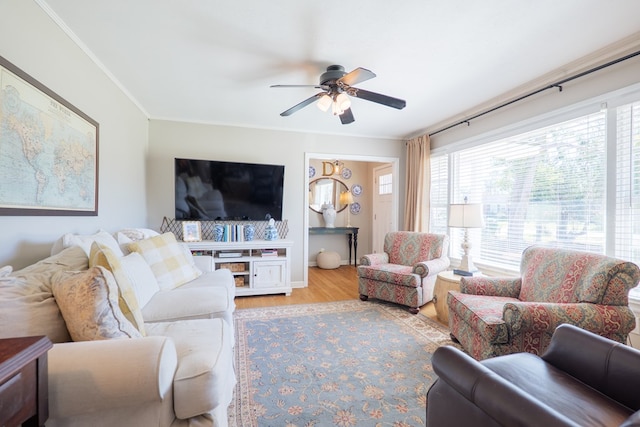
[47, 151]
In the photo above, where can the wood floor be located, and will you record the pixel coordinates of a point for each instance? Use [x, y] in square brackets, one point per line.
[324, 286]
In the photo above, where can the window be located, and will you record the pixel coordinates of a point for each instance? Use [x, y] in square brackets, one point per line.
[627, 217]
[385, 184]
[439, 196]
[545, 186]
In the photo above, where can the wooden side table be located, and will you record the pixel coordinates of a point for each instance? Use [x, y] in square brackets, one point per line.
[445, 282]
[24, 391]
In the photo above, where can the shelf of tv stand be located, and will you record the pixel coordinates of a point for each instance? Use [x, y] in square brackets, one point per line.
[261, 275]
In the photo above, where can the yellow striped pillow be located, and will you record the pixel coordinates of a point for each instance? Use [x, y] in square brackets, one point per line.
[167, 260]
[102, 256]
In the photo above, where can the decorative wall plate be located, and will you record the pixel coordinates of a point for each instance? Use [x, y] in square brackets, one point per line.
[312, 171]
[356, 189]
[355, 208]
[346, 173]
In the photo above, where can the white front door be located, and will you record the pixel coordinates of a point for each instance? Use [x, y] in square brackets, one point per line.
[383, 218]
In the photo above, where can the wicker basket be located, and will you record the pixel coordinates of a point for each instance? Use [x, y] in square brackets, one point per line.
[236, 267]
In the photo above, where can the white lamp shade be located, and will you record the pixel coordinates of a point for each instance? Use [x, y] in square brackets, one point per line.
[346, 198]
[343, 102]
[466, 215]
[335, 109]
[324, 102]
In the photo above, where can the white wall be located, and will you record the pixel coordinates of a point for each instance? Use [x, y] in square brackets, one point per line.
[587, 88]
[33, 42]
[168, 140]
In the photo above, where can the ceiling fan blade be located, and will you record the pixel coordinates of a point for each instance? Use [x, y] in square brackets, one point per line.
[378, 98]
[347, 117]
[315, 86]
[302, 104]
[356, 76]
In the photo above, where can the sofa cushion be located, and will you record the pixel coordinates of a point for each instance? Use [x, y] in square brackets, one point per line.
[27, 305]
[209, 296]
[584, 405]
[88, 301]
[482, 313]
[391, 273]
[141, 277]
[84, 241]
[205, 375]
[103, 256]
[221, 277]
[167, 260]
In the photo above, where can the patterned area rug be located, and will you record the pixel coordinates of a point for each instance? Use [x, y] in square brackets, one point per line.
[340, 364]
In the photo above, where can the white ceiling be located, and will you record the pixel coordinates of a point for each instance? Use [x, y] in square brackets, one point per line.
[213, 61]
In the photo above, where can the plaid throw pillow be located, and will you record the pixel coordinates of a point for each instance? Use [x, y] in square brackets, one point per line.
[167, 260]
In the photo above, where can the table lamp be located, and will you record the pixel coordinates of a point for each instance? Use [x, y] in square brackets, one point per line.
[466, 215]
[346, 198]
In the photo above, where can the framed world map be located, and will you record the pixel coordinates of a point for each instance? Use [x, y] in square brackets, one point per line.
[48, 150]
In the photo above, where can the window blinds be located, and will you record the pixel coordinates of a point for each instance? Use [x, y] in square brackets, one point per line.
[439, 196]
[546, 186]
[627, 217]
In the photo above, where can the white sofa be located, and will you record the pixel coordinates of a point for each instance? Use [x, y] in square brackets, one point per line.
[174, 369]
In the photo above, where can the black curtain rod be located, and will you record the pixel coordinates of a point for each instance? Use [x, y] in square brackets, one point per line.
[557, 84]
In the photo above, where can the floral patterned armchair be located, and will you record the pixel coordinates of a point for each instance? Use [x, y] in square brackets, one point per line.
[496, 316]
[405, 273]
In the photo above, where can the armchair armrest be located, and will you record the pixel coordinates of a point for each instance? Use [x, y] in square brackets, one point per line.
[544, 316]
[374, 259]
[491, 286]
[91, 376]
[609, 367]
[431, 267]
[502, 401]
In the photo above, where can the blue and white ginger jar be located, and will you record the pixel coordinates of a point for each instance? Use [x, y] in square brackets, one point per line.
[218, 232]
[249, 232]
[270, 233]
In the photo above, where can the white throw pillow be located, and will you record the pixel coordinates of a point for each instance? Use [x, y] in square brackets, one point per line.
[123, 242]
[130, 235]
[85, 241]
[189, 256]
[6, 270]
[141, 277]
[139, 233]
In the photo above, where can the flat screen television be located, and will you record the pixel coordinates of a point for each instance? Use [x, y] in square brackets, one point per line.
[216, 190]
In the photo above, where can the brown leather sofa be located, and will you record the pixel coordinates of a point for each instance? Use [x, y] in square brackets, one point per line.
[581, 380]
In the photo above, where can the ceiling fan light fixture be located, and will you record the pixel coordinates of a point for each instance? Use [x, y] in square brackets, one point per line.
[324, 102]
[335, 109]
[343, 101]
[337, 87]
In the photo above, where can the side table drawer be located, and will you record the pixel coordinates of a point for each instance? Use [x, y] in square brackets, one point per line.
[18, 396]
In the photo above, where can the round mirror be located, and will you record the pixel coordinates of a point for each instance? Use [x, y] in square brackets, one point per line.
[326, 190]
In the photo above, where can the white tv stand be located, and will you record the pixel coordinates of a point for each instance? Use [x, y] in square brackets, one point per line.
[253, 273]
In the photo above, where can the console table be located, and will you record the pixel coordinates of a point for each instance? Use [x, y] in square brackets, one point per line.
[352, 237]
[255, 272]
[24, 391]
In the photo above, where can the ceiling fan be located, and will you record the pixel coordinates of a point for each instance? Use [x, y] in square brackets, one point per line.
[336, 85]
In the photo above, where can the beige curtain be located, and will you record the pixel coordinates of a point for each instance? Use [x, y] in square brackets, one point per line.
[418, 179]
